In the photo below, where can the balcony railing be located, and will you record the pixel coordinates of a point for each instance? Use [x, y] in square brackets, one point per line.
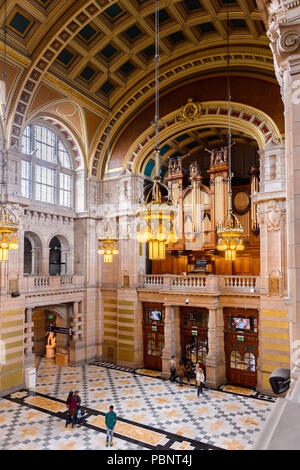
[201, 283]
[44, 283]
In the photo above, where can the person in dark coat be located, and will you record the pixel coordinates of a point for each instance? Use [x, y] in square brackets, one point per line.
[72, 405]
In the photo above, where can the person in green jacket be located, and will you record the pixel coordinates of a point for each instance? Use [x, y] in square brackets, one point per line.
[110, 422]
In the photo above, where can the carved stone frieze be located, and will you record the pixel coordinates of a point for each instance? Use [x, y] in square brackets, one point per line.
[273, 216]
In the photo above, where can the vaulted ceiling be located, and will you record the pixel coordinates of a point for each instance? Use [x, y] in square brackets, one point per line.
[99, 54]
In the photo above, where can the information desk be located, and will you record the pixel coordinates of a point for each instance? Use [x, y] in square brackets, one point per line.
[62, 358]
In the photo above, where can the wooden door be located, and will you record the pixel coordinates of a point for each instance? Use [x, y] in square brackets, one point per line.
[194, 347]
[153, 334]
[241, 346]
[153, 347]
[193, 332]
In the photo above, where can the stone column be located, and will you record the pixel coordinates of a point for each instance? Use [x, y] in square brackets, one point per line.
[76, 346]
[170, 343]
[284, 34]
[28, 339]
[215, 360]
[139, 340]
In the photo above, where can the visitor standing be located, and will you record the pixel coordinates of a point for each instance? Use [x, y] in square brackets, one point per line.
[172, 364]
[200, 378]
[78, 403]
[180, 373]
[72, 405]
[110, 422]
[188, 371]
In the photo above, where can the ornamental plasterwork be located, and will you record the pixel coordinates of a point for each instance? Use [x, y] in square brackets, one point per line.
[273, 216]
[190, 111]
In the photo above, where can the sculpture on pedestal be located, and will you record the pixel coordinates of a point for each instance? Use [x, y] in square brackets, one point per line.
[51, 345]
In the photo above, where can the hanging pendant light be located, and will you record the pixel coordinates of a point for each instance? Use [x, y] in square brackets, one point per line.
[229, 230]
[107, 240]
[108, 248]
[8, 220]
[156, 215]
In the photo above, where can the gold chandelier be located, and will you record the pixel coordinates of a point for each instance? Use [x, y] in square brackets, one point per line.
[156, 215]
[108, 248]
[229, 231]
[8, 220]
[8, 230]
[156, 225]
[230, 236]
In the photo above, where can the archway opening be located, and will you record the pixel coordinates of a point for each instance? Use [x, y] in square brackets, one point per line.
[42, 319]
[32, 254]
[56, 266]
[27, 256]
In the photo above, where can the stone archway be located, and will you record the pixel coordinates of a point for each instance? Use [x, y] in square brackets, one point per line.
[253, 122]
[32, 254]
[60, 261]
[42, 318]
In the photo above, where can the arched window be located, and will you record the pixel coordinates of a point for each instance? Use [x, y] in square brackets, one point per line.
[235, 360]
[249, 360]
[47, 174]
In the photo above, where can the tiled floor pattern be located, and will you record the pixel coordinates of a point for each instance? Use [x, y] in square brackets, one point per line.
[152, 413]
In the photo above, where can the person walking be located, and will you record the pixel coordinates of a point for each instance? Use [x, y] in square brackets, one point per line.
[78, 403]
[172, 364]
[180, 373]
[188, 371]
[110, 422]
[78, 399]
[71, 404]
[200, 378]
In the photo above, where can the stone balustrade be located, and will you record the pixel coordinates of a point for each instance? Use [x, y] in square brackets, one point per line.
[201, 283]
[44, 283]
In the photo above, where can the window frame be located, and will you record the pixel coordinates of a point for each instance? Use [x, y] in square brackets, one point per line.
[59, 169]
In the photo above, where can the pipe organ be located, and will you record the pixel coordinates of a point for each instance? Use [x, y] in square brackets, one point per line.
[199, 209]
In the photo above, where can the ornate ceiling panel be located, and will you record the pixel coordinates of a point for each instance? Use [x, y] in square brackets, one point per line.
[100, 52]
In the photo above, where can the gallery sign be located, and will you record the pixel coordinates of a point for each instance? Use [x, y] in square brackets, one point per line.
[58, 329]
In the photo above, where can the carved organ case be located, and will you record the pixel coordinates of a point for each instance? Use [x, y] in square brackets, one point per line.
[200, 207]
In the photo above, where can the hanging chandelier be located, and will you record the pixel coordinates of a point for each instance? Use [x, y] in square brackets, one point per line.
[156, 215]
[8, 220]
[229, 231]
[108, 248]
[107, 239]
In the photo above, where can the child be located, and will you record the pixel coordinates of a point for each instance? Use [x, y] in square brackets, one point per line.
[80, 416]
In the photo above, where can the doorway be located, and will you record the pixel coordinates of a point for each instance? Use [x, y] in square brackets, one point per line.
[241, 346]
[153, 334]
[56, 267]
[42, 319]
[193, 332]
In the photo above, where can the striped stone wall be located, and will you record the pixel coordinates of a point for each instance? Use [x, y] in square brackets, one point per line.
[126, 330]
[12, 339]
[118, 329]
[110, 321]
[275, 343]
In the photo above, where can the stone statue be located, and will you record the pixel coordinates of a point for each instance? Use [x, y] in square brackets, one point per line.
[219, 156]
[51, 344]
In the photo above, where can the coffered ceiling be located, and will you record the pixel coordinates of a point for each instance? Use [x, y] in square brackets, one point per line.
[100, 52]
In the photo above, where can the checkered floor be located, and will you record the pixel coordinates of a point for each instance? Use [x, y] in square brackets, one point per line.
[152, 413]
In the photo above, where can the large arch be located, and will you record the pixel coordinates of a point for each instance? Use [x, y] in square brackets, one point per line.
[253, 122]
[257, 94]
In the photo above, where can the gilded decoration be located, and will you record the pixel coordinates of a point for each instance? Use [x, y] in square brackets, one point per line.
[190, 111]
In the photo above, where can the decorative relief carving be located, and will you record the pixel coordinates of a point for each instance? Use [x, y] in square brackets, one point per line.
[190, 111]
[194, 171]
[273, 216]
[289, 42]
